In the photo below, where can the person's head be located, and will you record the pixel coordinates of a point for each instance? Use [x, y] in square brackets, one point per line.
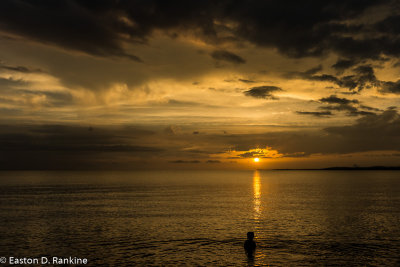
[250, 235]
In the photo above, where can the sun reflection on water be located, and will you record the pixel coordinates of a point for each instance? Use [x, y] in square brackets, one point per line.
[257, 195]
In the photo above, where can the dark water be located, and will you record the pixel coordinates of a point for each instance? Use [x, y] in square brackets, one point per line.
[342, 218]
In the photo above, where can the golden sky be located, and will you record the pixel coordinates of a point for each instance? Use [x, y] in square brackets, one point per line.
[199, 84]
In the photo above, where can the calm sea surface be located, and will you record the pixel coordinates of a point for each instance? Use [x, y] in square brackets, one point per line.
[300, 218]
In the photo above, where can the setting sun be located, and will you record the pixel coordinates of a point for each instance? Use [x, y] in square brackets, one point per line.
[256, 159]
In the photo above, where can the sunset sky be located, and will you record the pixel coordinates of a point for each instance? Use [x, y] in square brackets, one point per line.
[199, 84]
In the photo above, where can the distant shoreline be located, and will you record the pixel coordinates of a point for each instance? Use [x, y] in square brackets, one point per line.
[371, 168]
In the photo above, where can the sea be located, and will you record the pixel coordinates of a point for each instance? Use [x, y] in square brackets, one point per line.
[201, 218]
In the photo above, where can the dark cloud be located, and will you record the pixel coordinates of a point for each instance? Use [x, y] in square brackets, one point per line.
[390, 87]
[69, 147]
[369, 108]
[372, 47]
[246, 81]
[363, 77]
[263, 92]
[340, 107]
[295, 155]
[309, 27]
[178, 103]
[350, 106]
[315, 113]
[349, 92]
[311, 75]
[389, 25]
[362, 112]
[312, 71]
[227, 56]
[68, 24]
[343, 64]
[213, 161]
[322, 78]
[64, 138]
[185, 161]
[296, 29]
[373, 132]
[350, 110]
[336, 100]
[21, 69]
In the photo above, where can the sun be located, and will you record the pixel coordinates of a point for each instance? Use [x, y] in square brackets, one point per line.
[256, 159]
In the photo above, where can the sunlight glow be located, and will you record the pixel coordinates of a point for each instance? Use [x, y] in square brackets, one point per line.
[256, 159]
[257, 194]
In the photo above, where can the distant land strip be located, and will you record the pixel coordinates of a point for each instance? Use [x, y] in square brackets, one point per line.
[371, 168]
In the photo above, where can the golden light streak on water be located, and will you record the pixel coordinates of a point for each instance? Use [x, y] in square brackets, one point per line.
[257, 195]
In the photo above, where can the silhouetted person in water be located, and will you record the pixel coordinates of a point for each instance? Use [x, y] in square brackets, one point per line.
[249, 244]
